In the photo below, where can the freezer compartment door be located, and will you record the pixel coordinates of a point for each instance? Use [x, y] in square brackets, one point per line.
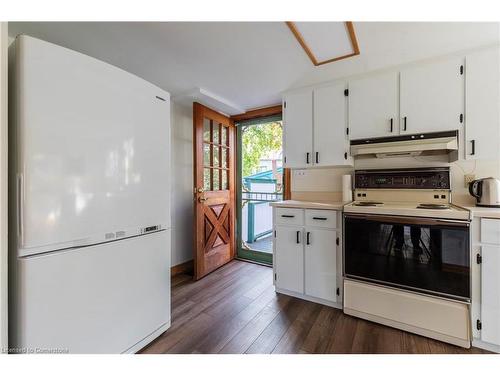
[99, 299]
[93, 149]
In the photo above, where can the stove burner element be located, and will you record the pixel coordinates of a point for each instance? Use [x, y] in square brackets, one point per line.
[433, 206]
[367, 204]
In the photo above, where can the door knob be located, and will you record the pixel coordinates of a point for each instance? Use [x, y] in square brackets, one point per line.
[201, 190]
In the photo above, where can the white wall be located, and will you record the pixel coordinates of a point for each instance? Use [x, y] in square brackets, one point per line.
[3, 184]
[182, 183]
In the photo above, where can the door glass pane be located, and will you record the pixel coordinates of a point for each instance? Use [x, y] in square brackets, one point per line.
[216, 155]
[206, 155]
[216, 132]
[206, 179]
[224, 180]
[216, 179]
[206, 129]
[224, 136]
[225, 157]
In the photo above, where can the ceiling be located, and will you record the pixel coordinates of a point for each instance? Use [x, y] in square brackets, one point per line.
[249, 64]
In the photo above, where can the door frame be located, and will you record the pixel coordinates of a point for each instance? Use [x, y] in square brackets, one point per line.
[198, 110]
[261, 113]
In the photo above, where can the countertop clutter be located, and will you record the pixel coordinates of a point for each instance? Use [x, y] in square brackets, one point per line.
[326, 205]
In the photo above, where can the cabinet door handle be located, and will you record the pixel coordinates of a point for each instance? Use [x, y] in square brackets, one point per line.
[287, 215]
[308, 240]
[473, 147]
[298, 236]
[345, 155]
[404, 123]
[307, 158]
[319, 218]
[391, 125]
[317, 157]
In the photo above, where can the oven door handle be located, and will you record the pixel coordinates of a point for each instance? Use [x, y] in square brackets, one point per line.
[409, 220]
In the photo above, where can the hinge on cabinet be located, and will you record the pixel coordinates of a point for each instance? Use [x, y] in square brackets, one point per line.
[346, 92]
[337, 241]
[461, 117]
[284, 104]
[274, 234]
[274, 276]
[461, 69]
[338, 291]
[347, 130]
[479, 325]
[479, 259]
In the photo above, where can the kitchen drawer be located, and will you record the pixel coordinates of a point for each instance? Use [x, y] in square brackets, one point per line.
[290, 216]
[321, 218]
[490, 231]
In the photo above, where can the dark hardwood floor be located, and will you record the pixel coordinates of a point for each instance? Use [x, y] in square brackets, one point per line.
[235, 310]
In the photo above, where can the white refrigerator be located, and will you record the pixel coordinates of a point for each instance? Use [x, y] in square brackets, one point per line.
[89, 204]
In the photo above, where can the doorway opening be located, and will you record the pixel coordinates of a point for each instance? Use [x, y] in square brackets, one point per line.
[261, 180]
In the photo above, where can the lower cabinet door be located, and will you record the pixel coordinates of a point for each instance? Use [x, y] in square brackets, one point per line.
[289, 258]
[490, 294]
[321, 264]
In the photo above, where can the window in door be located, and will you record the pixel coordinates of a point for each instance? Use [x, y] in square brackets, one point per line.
[261, 181]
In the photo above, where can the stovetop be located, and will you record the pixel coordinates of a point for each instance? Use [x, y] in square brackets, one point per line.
[431, 210]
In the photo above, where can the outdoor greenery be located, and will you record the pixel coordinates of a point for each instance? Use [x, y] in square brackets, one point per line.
[258, 142]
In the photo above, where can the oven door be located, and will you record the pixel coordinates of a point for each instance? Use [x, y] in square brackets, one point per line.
[422, 254]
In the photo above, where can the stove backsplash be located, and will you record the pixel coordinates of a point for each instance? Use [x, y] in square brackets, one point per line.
[327, 182]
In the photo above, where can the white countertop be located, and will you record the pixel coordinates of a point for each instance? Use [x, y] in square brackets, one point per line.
[487, 212]
[325, 205]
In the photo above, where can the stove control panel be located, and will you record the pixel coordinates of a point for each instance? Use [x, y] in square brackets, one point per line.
[417, 178]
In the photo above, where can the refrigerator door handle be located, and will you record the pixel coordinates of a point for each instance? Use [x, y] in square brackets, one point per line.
[20, 207]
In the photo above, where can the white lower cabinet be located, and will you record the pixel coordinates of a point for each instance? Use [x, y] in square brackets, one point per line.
[486, 284]
[289, 258]
[307, 257]
[320, 260]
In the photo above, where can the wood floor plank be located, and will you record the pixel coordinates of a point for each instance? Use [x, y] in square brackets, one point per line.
[235, 310]
[269, 338]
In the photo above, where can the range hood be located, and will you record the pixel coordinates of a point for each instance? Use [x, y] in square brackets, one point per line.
[439, 143]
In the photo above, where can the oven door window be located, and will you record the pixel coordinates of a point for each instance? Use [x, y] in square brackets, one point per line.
[431, 256]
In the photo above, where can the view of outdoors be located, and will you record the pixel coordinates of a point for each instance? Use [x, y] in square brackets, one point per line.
[262, 182]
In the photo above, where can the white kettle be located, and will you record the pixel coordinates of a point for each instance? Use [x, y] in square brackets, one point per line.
[486, 191]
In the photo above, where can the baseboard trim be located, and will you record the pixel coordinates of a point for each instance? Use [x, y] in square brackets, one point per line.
[186, 267]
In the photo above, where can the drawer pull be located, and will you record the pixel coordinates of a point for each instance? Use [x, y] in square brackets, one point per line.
[287, 215]
[320, 218]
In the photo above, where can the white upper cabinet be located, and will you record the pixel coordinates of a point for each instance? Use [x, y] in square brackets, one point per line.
[432, 97]
[297, 125]
[482, 107]
[330, 139]
[373, 106]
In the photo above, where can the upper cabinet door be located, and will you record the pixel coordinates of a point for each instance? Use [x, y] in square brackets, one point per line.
[373, 106]
[482, 107]
[330, 138]
[297, 129]
[432, 97]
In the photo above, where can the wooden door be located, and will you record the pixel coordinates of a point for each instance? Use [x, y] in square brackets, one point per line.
[214, 190]
[289, 258]
[331, 144]
[432, 97]
[321, 264]
[297, 129]
[373, 106]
